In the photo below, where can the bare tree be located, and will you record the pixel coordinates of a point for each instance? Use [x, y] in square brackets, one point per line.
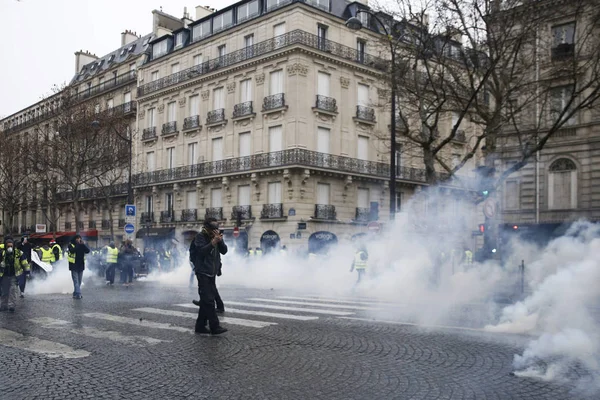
[15, 182]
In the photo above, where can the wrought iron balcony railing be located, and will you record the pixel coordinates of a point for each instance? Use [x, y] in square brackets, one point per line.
[121, 223]
[190, 215]
[92, 224]
[362, 214]
[326, 103]
[365, 113]
[95, 193]
[192, 122]
[106, 86]
[241, 212]
[215, 116]
[169, 128]
[149, 133]
[214, 212]
[122, 109]
[274, 101]
[325, 211]
[242, 109]
[147, 217]
[67, 226]
[272, 211]
[105, 224]
[296, 37]
[167, 216]
[563, 51]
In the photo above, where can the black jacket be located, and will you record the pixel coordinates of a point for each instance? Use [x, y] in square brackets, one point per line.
[207, 258]
[80, 250]
[26, 249]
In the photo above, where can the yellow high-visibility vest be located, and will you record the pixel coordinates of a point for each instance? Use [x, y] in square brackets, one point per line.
[112, 255]
[47, 255]
[71, 254]
[468, 257]
[359, 263]
[60, 256]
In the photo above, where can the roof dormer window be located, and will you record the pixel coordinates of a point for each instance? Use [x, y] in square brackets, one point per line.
[159, 48]
[111, 58]
[179, 40]
[123, 51]
[132, 47]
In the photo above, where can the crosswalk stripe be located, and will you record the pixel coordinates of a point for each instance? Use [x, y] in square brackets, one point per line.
[334, 300]
[138, 322]
[115, 336]
[227, 320]
[303, 303]
[260, 313]
[381, 321]
[36, 345]
[283, 308]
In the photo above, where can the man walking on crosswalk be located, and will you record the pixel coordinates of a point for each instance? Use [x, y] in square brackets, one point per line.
[209, 246]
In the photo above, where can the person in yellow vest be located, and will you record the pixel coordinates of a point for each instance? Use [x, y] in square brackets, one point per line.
[76, 257]
[56, 251]
[312, 257]
[258, 252]
[46, 254]
[283, 250]
[468, 258]
[360, 263]
[111, 257]
[13, 265]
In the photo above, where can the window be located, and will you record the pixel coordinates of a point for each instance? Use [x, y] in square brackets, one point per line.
[244, 195]
[247, 11]
[512, 195]
[151, 121]
[322, 36]
[218, 98]
[131, 67]
[323, 193]
[275, 138]
[110, 103]
[322, 4]
[363, 95]
[194, 105]
[323, 139]
[159, 49]
[276, 82]
[216, 198]
[362, 152]
[170, 157]
[399, 200]
[201, 30]
[245, 144]
[223, 21]
[363, 198]
[175, 68]
[562, 184]
[246, 90]
[198, 59]
[127, 97]
[248, 43]
[563, 34]
[150, 161]
[217, 149]
[363, 18]
[169, 202]
[192, 153]
[171, 116]
[191, 200]
[179, 39]
[154, 76]
[222, 50]
[274, 193]
[361, 46]
[560, 98]
[323, 84]
[278, 32]
[149, 204]
[97, 108]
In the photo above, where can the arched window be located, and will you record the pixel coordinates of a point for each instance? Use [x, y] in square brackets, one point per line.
[562, 184]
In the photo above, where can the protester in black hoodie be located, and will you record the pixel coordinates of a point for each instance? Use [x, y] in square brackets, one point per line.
[77, 251]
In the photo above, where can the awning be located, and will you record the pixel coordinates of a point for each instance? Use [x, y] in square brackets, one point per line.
[86, 234]
[154, 232]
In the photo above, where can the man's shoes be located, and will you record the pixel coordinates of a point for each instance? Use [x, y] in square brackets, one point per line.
[11, 310]
[218, 330]
[202, 329]
[196, 302]
[22, 295]
[220, 310]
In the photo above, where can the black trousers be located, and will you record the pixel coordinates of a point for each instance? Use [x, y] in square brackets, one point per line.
[207, 289]
[110, 272]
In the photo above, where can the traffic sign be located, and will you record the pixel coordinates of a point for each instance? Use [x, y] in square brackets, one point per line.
[236, 232]
[374, 226]
[129, 228]
[130, 210]
[489, 208]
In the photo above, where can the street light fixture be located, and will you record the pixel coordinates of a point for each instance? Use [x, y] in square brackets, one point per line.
[356, 24]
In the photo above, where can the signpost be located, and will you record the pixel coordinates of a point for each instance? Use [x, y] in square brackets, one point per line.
[129, 229]
[374, 227]
[236, 232]
[130, 217]
[489, 208]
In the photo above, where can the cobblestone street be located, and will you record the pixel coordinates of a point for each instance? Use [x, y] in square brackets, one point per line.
[138, 343]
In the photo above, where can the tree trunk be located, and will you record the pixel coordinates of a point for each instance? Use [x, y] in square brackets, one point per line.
[110, 217]
[429, 161]
[76, 208]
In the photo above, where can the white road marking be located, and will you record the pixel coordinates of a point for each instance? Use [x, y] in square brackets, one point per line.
[227, 320]
[306, 310]
[413, 324]
[259, 313]
[334, 300]
[139, 322]
[115, 336]
[45, 347]
[303, 303]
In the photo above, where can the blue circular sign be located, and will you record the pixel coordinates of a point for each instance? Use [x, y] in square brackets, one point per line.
[129, 228]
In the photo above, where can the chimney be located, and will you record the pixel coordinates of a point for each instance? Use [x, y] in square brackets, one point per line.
[203, 11]
[128, 37]
[186, 18]
[83, 58]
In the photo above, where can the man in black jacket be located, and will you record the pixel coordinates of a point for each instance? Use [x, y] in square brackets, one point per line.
[207, 265]
[76, 256]
[25, 248]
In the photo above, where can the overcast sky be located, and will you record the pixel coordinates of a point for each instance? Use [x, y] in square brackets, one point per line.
[40, 37]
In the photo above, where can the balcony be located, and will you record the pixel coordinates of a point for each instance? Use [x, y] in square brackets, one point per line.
[362, 214]
[216, 117]
[192, 122]
[274, 102]
[105, 224]
[190, 215]
[563, 51]
[67, 226]
[241, 212]
[103, 87]
[167, 217]
[296, 37]
[325, 212]
[147, 217]
[149, 134]
[169, 128]
[214, 212]
[365, 114]
[92, 225]
[123, 109]
[325, 103]
[243, 110]
[272, 211]
[96, 192]
[121, 223]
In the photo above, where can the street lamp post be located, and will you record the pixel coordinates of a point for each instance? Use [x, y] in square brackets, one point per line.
[355, 24]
